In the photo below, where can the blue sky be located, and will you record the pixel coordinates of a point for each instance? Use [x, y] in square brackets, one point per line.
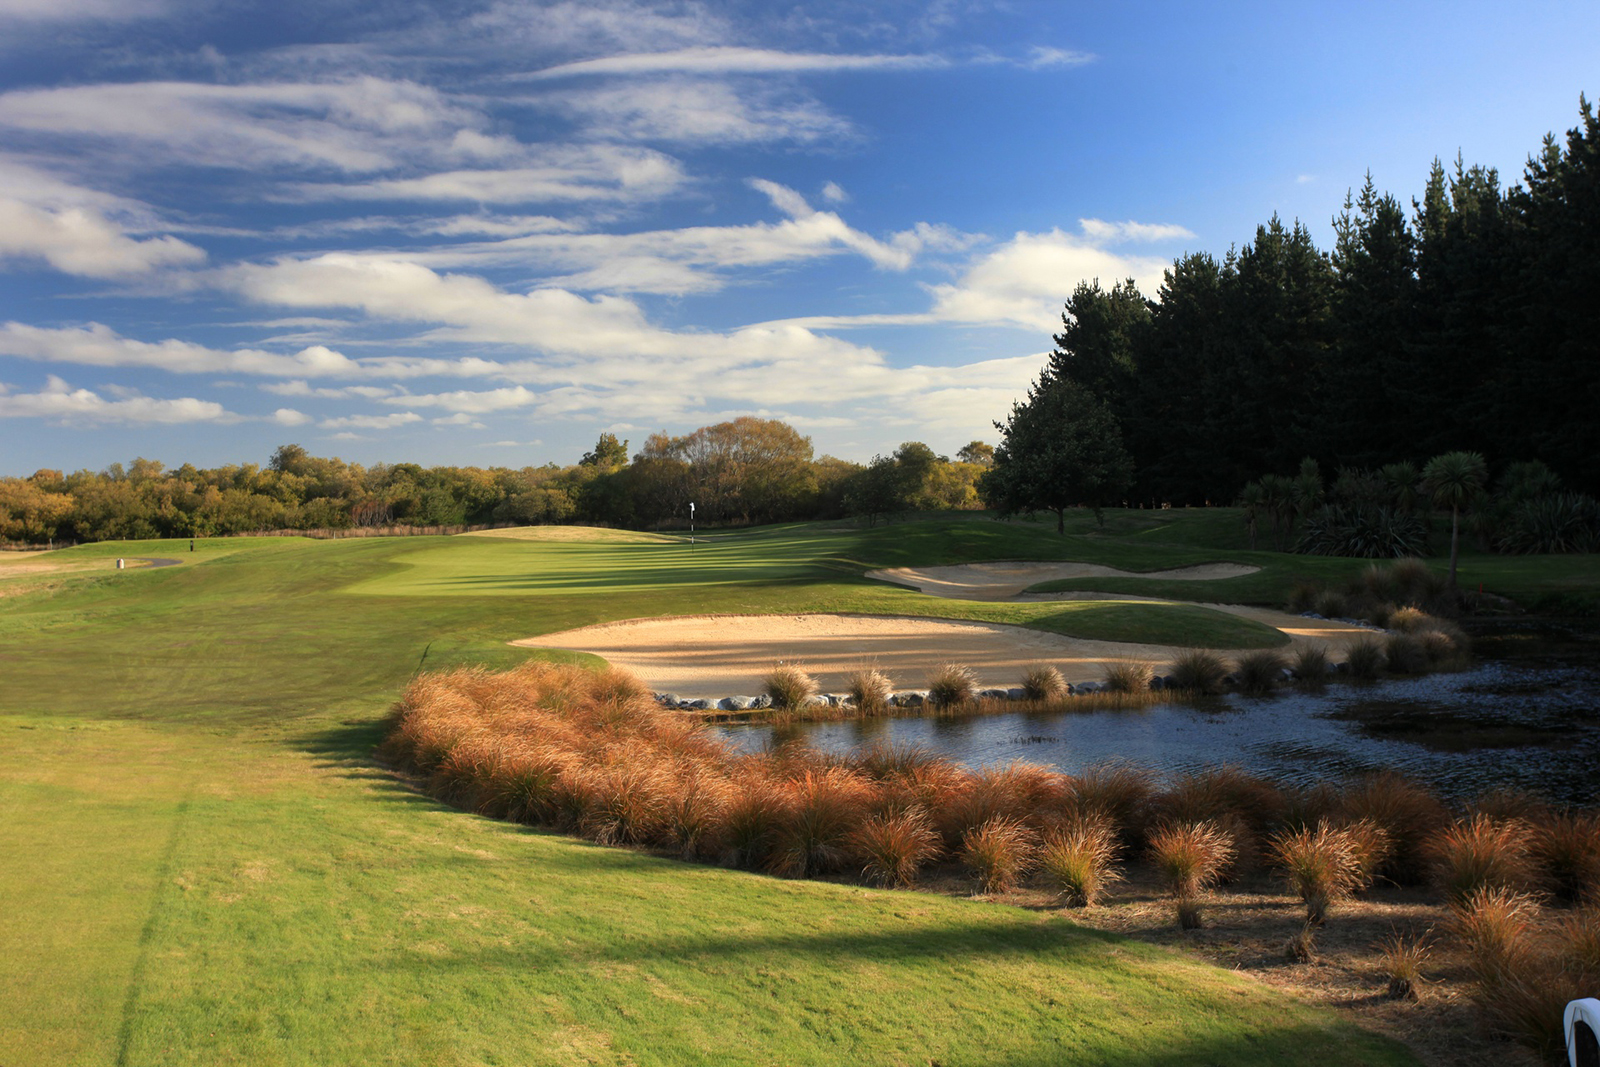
[483, 233]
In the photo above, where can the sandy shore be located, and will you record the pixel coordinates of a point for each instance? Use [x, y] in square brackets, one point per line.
[725, 655]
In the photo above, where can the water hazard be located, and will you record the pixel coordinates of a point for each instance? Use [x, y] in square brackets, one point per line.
[1527, 717]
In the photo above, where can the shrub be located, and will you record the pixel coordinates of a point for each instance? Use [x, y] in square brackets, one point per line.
[813, 835]
[626, 803]
[1310, 665]
[1117, 791]
[1303, 597]
[750, 827]
[1189, 857]
[1365, 659]
[1370, 846]
[1363, 533]
[1331, 604]
[1017, 791]
[789, 687]
[869, 690]
[1409, 620]
[1260, 672]
[892, 847]
[1402, 960]
[1198, 671]
[1481, 854]
[998, 853]
[1079, 860]
[951, 683]
[1302, 945]
[1553, 522]
[1412, 581]
[696, 818]
[1409, 816]
[1405, 654]
[1043, 682]
[1566, 852]
[1494, 923]
[1321, 866]
[1127, 676]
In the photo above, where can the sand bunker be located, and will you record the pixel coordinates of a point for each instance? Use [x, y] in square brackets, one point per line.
[1003, 581]
[723, 655]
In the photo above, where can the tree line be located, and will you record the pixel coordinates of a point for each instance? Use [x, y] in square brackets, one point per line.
[1468, 324]
[747, 470]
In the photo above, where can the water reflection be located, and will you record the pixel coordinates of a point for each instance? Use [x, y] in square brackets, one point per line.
[1525, 723]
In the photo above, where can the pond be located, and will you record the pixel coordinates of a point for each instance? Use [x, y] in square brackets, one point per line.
[1527, 717]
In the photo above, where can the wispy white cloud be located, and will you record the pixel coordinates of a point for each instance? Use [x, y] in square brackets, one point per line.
[290, 417]
[83, 242]
[724, 59]
[697, 111]
[97, 345]
[61, 402]
[360, 125]
[371, 422]
[563, 174]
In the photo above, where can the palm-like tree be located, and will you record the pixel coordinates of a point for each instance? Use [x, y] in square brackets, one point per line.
[1452, 480]
[1252, 498]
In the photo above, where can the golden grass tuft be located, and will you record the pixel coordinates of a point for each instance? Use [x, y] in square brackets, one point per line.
[1041, 681]
[951, 684]
[1261, 671]
[789, 687]
[892, 848]
[1079, 860]
[1127, 676]
[998, 853]
[1480, 854]
[869, 690]
[1198, 671]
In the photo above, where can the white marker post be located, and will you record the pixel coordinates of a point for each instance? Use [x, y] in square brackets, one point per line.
[691, 527]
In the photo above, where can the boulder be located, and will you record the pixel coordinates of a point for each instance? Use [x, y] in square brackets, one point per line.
[1157, 683]
[909, 699]
[736, 703]
[697, 705]
[1016, 692]
[761, 702]
[1087, 687]
[669, 700]
[994, 694]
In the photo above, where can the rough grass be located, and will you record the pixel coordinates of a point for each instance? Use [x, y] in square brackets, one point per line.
[1200, 671]
[789, 686]
[207, 853]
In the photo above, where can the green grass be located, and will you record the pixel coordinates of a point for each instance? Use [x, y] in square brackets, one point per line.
[201, 864]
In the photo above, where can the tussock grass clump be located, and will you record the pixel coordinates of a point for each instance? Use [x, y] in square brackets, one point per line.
[1403, 957]
[1481, 854]
[1127, 676]
[1365, 659]
[1198, 671]
[1116, 791]
[893, 847]
[998, 853]
[1405, 654]
[1409, 620]
[1079, 860]
[1331, 604]
[1445, 651]
[1310, 665]
[1302, 597]
[823, 810]
[1043, 682]
[1565, 850]
[869, 690]
[1321, 866]
[950, 684]
[1261, 671]
[1189, 857]
[1302, 945]
[1495, 925]
[789, 687]
[1017, 791]
[1408, 815]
